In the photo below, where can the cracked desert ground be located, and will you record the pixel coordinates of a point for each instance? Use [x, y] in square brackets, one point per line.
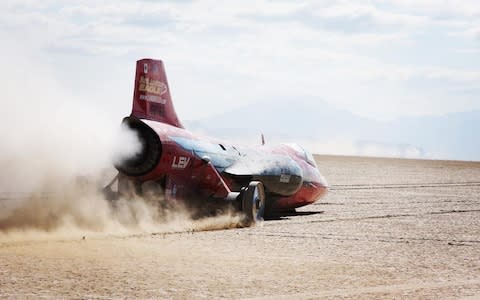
[388, 228]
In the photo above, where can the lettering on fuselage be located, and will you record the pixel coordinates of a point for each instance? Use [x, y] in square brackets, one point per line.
[180, 162]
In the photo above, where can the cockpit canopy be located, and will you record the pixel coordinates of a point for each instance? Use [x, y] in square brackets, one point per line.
[301, 152]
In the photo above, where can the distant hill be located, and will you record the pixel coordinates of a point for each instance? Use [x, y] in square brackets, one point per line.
[326, 129]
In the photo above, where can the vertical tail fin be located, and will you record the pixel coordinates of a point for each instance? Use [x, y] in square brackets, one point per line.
[151, 98]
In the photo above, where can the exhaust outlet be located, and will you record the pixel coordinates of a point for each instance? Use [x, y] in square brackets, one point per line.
[148, 157]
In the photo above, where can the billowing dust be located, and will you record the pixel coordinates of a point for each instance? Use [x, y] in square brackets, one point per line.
[57, 152]
[79, 210]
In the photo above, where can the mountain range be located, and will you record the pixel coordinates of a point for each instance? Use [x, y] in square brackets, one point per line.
[322, 128]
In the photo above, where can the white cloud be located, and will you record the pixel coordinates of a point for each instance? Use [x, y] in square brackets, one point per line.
[366, 10]
[224, 54]
[439, 8]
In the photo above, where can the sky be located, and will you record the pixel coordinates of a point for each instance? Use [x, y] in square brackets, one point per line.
[377, 59]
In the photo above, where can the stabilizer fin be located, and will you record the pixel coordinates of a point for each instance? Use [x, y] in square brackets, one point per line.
[151, 97]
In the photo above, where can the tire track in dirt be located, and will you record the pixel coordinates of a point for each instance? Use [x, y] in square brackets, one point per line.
[341, 187]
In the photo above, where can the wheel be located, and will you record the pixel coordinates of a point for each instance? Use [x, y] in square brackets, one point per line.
[253, 202]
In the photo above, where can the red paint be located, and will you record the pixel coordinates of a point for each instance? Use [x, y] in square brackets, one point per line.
[151, 98]
[186, 173]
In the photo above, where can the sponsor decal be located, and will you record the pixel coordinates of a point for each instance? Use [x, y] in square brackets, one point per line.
[152, 86]
[285, 178]
[153, 98]
[180, 162]
[157, 109]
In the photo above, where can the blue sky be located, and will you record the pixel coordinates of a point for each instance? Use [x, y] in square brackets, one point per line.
[377, 59]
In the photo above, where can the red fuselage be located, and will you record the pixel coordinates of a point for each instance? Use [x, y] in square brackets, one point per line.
[187, 166]
[184, 155]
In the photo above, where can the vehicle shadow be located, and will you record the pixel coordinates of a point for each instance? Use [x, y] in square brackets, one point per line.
[285, 215]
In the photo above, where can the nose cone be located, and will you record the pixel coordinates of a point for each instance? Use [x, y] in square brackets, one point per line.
[322, 181]
[319, 184]
[313, 188]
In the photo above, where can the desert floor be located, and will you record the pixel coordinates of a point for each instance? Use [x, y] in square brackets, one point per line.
[388, 228]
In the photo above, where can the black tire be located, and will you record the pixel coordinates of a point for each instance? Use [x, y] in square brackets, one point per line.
[253, 202]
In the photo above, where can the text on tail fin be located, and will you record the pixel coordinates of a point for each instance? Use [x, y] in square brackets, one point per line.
[151, 97]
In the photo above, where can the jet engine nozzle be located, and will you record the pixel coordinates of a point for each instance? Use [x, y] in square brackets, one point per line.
[151, 149]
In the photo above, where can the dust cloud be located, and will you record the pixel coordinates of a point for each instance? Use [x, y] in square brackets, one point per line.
[56, 154]
[78, 209]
